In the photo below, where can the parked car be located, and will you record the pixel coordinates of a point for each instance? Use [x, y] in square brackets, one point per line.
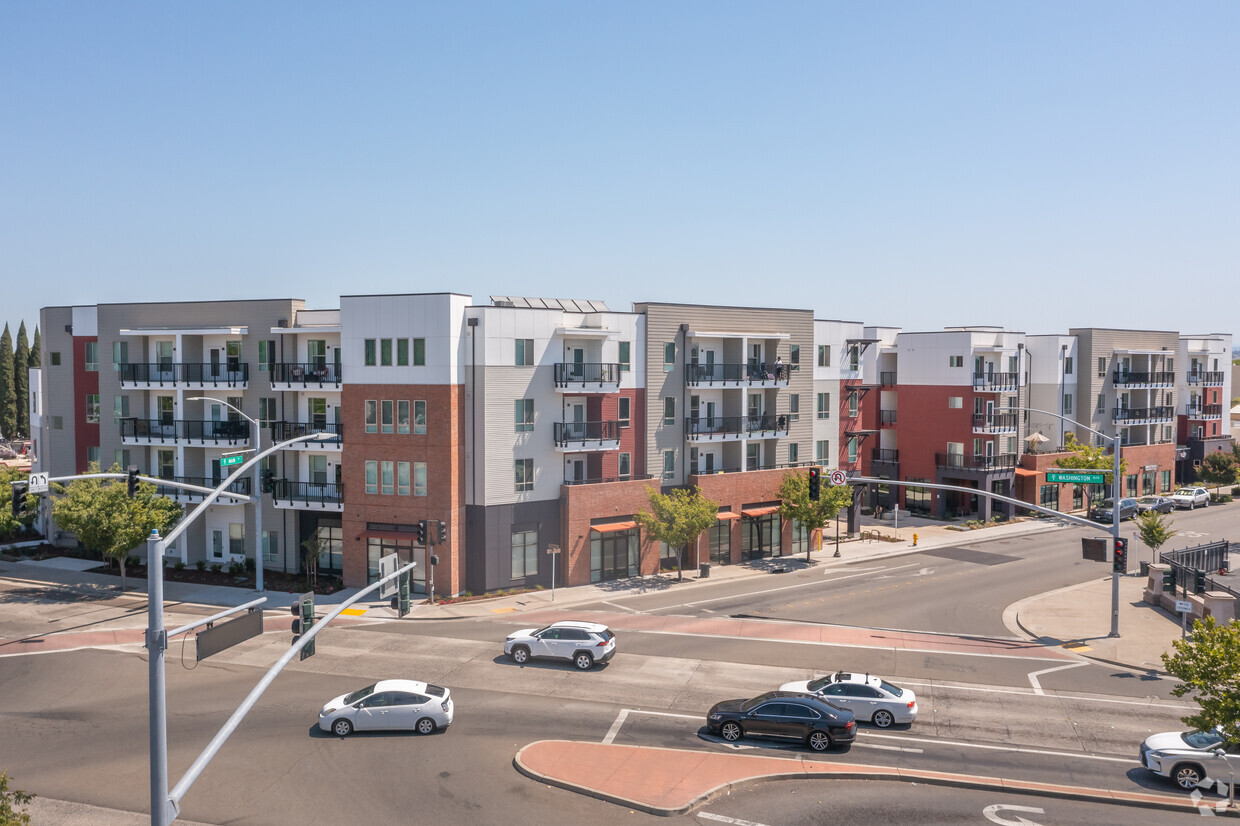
[1160, 504]
[1103, 511]
[866, 696]
[402, 705]
[1186, 757]
[783, 715]
[581, 643]
[1191, 498]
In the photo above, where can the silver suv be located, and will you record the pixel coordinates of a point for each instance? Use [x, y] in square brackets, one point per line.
[1187, 757]
[582, 643]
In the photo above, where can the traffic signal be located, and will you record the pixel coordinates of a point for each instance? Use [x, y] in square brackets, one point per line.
[400, 602]
[1120, 563]
[815, 483]
[19, 501]
[443, 533]
[303, 611]
[1168, 579]
[422, 532]
[268, 481]
[132, 481]
[1199, 582]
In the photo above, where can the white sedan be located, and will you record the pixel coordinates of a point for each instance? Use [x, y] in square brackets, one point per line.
[389, 705]
[1191, 498]
[867, 697]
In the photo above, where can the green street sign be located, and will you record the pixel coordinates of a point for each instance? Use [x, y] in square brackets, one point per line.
[229, 461]
[1076, 477]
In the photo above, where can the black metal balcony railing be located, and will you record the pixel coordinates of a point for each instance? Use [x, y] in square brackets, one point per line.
[324, 493]
[1205, 411]
[885, 455]
[887, 379]
[1128, 414]
[310, 373]
[282, 431]
[565, 433]
[995, 381]
[227, 374]
[995, 421]
[887, 417]
[241, 486]
[766, 422]
[736, 373]
[958, 461]
[735, 425]
[1206, 378]
[182, 430]
[573, 373]
[1121, 377]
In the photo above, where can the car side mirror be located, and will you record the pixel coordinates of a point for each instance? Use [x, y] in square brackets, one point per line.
[1219, 753]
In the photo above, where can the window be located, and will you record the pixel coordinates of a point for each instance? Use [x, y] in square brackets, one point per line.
[955, 361]
[625, 357]
[1067, 403]
[524, 352]
[669, 356]
[1165, 481]
[1102, 367]
[524, 553]
[271, 546]
[236, 538]
[266, 411]
[524, 469]
[822, 452]
[55, 359]
[1170, 365]
[370, 352]
[667, 554]
[419, 478]
[121, 457]
[387, 478]
[824, 405]
[387, 416]
[372, 477]
[92, 408]
[419, 352]
[92, 356]
[623, 468]
[1048, 496]
[669, 410]
[669, 464]
[622, 411]
[385, 352]
[824, 355]
[794, 453]
[852, 449]
[402, 478]
[402, 416]
[794, 356]
[1130, 484]
[92, 455]
[524, 414]
[1102, 402]
[1067, 365]
[120, 354]
[372, 416]
[266, 355]
[794, 407]
[419, 418]
[955, 402]
[852, 404]
[120, 408]
[402, 352]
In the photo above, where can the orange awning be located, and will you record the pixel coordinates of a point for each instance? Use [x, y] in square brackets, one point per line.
[761, 511]
[1020, 471]
[727, 515]
[613, 526]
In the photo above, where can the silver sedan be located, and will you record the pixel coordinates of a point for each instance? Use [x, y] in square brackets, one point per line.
[389, 705]
[867, 697]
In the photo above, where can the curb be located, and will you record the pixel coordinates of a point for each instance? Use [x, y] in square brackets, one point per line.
[866, 772]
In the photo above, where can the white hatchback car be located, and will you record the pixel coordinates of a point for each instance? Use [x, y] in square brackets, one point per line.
[1186, 757]
[582, 643]
[389, 705]
[866, 696]
[1191, 498]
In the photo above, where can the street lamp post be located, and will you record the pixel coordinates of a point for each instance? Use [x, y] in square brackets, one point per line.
[258, 489]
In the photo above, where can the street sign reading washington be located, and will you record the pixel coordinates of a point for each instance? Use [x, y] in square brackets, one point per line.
[1077, 477]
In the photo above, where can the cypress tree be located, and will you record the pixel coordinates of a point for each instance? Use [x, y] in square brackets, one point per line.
[8, 393]
[36, 349]
[21, 382]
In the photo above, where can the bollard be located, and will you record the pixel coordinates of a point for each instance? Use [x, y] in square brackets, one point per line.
[914, 540]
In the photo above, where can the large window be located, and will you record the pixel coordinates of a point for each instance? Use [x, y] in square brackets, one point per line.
[402, 416]
[800, 538]
[1130, 484]
[669, 357]
[372, 476]
[266, 355]
[623, 466]
[824, 355]
[1165, 482]
[669, 410]
[852, 449]
[371, 357]
[524, 415]
[419, 352]
[721, 542]
[524, 352]
[385, 352]
[613, 554]
[622, 411]
[853, 401]
[419, 418]
[267, 411]
[120, 354]
[236, 538]
[669, 464]
[794, 453]
[824, 405]
[387, 478]
[916, 499]
[402, 352]
[92, 408]
[524, 553]
[419, 478]
[92, 356]
[402, 478]
[794, 407]
[524, 471]
[1049, 497]
[372, 416]
[388, 416]
[625, 357]
[794, 356]
[822, 452]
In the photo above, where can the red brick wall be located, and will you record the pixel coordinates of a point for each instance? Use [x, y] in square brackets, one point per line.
[1137, 456]
[84, 382]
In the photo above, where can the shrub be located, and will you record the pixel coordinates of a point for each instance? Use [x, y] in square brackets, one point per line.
[180, 566]
[201, 565]
[131, 561]
[216, 567]
[249, 564]
[1235, 491]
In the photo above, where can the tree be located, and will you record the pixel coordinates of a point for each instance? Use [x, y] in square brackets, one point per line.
[104, 519]
[10, 527]
[1155, 529]
[812, 515]
[8, 393]
[678, 518]
[21, 382]
[1217, 469]
[1208, 666]
[36, 349]
[11, 801]
[1090, 457]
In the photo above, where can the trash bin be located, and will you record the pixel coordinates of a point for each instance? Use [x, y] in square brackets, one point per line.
[1145, 569]
[704, 570]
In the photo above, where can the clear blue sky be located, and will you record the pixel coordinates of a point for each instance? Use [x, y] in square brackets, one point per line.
[916, 164]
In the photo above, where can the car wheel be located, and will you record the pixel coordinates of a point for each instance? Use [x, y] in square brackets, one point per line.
[883, 719]
[1187, 776]
[584, 660]
[342, 728]
[731, 732]
[819, 740]
[520, 655]
[426, 726]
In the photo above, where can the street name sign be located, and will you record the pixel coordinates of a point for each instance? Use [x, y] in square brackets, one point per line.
[229, 461]
[1076, 477]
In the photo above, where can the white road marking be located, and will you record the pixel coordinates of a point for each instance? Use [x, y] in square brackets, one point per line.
[726, 819]
[1060, 695]
[615, 727]
[986, 747]
[622, 607]
[887, 748]
[992, 814]
[789, 587]
[625, 712]
[1033, 675]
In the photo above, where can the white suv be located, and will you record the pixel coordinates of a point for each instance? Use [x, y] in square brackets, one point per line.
[582, 643]
[1186, 757]
[1191, 498]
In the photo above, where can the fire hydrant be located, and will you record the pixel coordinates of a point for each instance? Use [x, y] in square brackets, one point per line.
[914, 540]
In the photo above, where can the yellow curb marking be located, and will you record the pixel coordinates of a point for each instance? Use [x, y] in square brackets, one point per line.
[502, 610]
[354, 612]
[1076, 646]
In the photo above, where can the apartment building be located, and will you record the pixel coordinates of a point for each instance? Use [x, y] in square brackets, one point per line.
[1204, 393]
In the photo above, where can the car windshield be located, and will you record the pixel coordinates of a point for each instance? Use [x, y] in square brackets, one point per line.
[1202, 739]
[756, 701]
[819, 684]
[1183, 492]
[891, 689]
[360, 694]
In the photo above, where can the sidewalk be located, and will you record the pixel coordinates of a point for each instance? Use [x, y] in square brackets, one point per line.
[1079, 619]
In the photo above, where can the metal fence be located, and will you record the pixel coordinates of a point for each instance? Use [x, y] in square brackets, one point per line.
[1207, 558]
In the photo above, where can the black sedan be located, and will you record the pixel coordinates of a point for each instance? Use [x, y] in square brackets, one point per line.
[1104, 513]
[783, 715]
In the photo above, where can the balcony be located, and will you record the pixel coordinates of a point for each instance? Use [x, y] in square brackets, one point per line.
[1204, 411]
[574, 437]
[317, 375]
[996, 382]
[190, 433]
[958, 462]
[176, 375]
[241, 486]
[884, 456]
[994, 423]
[732, 428]
[283, 431]
[1127, 379]
[737, 375]
[887, 379]
[1206, 379]
[571, 377]
[1142, 415]
[887, 418]
[287, 493]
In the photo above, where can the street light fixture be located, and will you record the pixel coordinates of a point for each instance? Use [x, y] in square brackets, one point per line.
[258, 491]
